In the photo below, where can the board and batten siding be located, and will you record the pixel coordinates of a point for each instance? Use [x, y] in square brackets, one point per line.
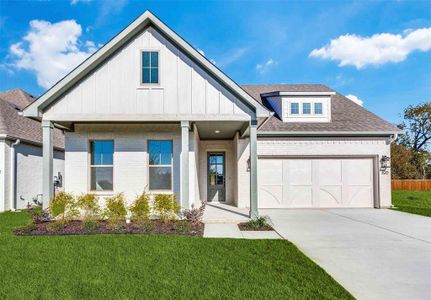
[113, 90]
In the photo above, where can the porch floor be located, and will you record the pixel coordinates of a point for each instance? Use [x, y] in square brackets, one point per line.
[224, 213]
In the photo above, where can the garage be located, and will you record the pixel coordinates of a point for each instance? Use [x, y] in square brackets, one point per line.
[315, 182]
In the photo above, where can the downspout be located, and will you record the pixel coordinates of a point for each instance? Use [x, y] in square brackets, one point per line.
[12, 175]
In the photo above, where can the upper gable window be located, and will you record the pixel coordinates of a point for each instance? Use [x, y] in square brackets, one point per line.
[318, 108]
[306, 108]
[294, 108]
[150, 67]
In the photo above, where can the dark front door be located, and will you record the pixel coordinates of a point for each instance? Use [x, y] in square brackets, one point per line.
[216, 177]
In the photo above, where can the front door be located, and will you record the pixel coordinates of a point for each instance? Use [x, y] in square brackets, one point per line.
[216, 177]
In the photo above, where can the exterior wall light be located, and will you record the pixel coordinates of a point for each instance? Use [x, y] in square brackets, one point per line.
[385, 162]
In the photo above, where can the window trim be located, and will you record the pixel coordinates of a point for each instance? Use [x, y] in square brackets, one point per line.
[290, 109]
[90, 165]
[310, 113]
[159, 166]
[141, 83]
[321, 108]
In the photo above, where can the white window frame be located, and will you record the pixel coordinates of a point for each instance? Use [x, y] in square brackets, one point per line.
[171, 165]
[149, 85]
[290, 109]
[314, 108]
[310, 111]
[91, 166]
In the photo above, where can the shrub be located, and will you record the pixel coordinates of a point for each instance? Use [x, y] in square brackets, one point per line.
[116, 208]
[140, 209]
[89, 204]
[260, 223]
[195, 215]
[37, 213]
[147, 226]
[89, 224]
[166, 207]
[60, 204]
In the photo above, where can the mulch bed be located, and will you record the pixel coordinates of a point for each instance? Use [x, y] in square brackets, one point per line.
[245, 227]
[178, 227]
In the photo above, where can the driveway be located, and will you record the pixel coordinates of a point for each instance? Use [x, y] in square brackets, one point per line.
[373, 253]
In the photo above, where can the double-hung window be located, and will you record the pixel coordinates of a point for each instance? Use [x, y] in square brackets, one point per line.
[102, 165]
[160, 165]
[150, 67]
[306, 108]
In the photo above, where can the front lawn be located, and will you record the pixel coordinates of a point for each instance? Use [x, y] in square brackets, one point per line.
[152, 266]
[415, 202]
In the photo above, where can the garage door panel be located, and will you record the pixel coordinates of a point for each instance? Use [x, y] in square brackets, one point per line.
[330, 196]
[326, 182]
[299, 171]
[300, 196]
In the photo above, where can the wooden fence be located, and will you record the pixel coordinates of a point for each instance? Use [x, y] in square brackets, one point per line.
[411, 184]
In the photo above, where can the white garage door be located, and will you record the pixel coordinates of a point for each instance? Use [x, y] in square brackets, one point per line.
[343, 182]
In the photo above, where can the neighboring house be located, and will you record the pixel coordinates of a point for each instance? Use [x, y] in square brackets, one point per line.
[148, 111]
[21, 152]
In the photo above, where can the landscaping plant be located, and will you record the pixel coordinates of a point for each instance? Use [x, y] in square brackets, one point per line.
[260, 223]
[166, 207]
[195, 215]
[89, 204]
[62, 206]
[116, 211]
[140, 209]
[37, 213]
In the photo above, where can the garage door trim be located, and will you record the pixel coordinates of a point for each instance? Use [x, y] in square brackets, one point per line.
[375, 159]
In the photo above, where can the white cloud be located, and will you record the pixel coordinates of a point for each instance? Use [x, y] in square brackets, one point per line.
[355, 99]
[354, 50]
[51, 50]
[201, 51]
[262, 68]
[231, 57]
[74, 2]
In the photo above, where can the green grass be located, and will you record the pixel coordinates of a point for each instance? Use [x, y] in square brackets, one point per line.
[415, 202]
[139, 267]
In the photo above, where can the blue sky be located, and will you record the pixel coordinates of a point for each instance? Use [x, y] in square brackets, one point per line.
[378, 51]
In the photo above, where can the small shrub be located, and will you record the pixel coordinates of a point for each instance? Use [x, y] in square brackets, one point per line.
[140, 209]
[195, 215]
[89, 224]
[166, 207]
[183, 226]
[89, 204]
[36, 212]
[116, 208]
[260, 223]
[146, 226]
[60, 204]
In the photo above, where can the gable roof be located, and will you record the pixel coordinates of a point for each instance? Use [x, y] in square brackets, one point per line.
[146, 19]
[347, 117]
[13, 125]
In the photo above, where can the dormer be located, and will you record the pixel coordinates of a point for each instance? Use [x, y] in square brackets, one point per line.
[305, 107]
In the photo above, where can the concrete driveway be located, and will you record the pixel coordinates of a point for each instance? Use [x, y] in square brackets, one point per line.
[373, 253]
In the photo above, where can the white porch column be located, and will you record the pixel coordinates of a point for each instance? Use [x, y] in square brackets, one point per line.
[48, 157]
[253, 169]
[184, 191]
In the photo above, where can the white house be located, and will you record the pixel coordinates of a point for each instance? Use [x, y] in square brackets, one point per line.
[148, 111]
[21, 152]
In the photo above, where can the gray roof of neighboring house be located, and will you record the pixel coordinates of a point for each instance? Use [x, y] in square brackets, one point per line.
[12, 102]
[346, 115]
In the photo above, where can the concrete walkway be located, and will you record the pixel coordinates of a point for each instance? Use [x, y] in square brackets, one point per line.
[219, 230]
[373, 253]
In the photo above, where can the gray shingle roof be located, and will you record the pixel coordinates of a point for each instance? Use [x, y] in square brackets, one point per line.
[346, 115]
[16, 126]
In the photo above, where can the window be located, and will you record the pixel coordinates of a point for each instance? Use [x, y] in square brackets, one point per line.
[150, 67]
[318, 108]
[294, 108]
[160, 165]
[102, 165]
[306, 108]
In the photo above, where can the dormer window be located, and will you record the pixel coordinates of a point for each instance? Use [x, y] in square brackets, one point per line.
[294, 108]
[150, 67]
[318, 108]
[306, 108]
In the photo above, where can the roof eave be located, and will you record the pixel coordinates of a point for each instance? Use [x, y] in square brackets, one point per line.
[329, 133]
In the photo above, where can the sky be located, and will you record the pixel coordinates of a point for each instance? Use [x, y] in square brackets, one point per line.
[378, 53]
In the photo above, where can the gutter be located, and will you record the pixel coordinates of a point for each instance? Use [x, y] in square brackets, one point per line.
[12, 174]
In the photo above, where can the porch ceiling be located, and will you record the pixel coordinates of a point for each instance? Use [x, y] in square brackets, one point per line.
[218, 130]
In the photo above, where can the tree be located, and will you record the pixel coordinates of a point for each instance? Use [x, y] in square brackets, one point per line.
[411, 157]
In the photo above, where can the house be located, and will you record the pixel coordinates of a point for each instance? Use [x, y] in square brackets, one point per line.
[21, 152]
[147, 111]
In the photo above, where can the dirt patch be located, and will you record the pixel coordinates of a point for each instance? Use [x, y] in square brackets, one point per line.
[149, 227]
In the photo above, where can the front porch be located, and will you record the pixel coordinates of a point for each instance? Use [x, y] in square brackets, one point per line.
[212, 161]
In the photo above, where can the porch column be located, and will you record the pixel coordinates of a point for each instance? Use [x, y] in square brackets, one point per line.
[184, 192]
[253, 169]
[48, 153]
